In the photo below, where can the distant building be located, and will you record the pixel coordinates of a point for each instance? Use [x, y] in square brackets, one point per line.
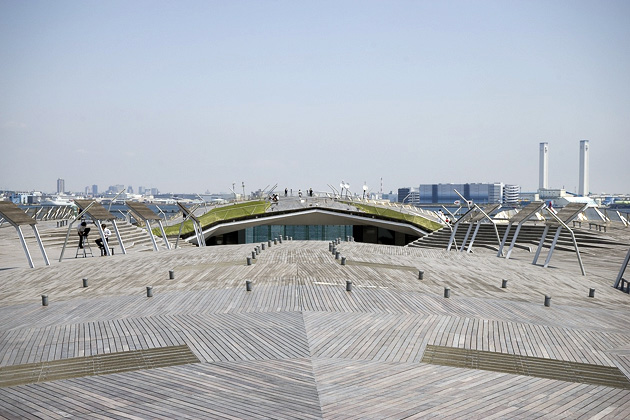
[61, 186]
[94, 190]
[445, 193]
[130, 190]
[409, 196]
[583, 187]
[141, 190]
[511, 194]
[115, 189]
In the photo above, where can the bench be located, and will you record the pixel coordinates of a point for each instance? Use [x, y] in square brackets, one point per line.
[111, 250]
[598, 226]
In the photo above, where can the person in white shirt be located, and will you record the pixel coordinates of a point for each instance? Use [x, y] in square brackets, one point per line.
[106, 232]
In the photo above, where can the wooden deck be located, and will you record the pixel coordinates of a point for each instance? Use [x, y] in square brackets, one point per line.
[300, 346]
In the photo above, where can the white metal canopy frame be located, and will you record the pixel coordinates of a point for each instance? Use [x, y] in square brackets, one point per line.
[141, 211]
[189, 214]
[98, 214]
[620, 279]
[561, 220]
[474, 217]
[525, 214]
[17, 218]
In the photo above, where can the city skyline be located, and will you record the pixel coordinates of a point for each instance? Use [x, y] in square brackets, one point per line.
[196, 95]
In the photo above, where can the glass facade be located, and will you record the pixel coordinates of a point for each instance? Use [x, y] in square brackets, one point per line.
[297, 232]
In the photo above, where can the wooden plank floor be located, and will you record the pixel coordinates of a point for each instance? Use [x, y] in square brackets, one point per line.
[300, 346]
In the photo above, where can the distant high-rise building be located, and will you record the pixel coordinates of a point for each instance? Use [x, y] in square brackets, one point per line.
[445, 193]
[409, 196]
[94, 189]
[511, 194]
[155, 191]
[141, 190]
[130, 190]
[583, 189]
[543, 169]
[61, 186]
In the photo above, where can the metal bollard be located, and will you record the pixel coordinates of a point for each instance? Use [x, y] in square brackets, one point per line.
[280, 239]
[591, 292]
[256, 250]
[420, 274]
[330, 246]
[269, 243]
[337, 254]
[249, 260]
[547, 300]
[504, 284]
[263, 246]
[248, 285]
[85, 284]
[447, 292]
[275, 241]
[347, 239]
[253, 255]
[149, 291]
[171, 274]
[343, 260]
[334, 249]
[348, 286]
[44, 300]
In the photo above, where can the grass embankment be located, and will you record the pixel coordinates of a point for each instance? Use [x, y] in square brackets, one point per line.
[218, 214]
[419, 221]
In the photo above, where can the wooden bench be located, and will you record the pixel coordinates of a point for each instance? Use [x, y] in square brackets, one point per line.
[598, 226]
[111, 250]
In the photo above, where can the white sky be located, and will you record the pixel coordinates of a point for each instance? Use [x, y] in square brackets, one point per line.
[191, 96]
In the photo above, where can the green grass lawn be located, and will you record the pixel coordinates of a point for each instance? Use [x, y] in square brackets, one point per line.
[234, 211]
[420, 221]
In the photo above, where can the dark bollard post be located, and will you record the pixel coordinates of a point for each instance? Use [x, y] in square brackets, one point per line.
[337, 254]
[263, 246]
[249, 260]
[85, 284]
[447, 292]
[343, 260]
[591, 292]
[347, 239]
[420, 274]
[547, 300]
[334, 249]
[248, 285]
[504, 284]
[171, 274]
[269, 243]
[256, 250]
[330, 246]
[280, 239]
[275, 241]
[149, 291]
[253, 255]
[348, 286]
[44, 300]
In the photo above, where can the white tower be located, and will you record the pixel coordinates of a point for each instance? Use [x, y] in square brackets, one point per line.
[583, 188]
[543, 170]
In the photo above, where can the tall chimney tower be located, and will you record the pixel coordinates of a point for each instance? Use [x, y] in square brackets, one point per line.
[543, 170]
[583, 188]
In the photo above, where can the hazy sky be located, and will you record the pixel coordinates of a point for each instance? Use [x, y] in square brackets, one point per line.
[189, 96]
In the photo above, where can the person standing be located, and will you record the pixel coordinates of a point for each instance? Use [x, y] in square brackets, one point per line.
[81, 233]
